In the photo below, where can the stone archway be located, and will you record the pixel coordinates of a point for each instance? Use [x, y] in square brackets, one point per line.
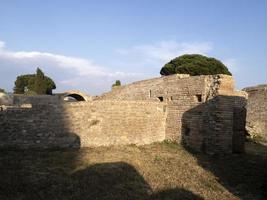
[77, 95]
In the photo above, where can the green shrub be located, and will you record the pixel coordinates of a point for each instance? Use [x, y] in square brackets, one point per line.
[194, 64]
[35, 83]
[117, 83]
[40, 83]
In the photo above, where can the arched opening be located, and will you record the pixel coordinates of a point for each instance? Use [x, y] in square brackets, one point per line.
[160, 99]
[74, 97]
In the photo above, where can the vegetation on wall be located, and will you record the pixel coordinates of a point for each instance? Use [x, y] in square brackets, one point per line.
[194, 64]
[117, 83]
[33, 84]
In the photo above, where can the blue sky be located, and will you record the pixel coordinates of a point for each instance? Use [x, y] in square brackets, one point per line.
[87, 45]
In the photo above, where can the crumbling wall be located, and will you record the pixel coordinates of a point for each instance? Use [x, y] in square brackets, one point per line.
[239, 125]
[5, 99]
[181, 92]
[82, 124]
[200, 109]
[154, 89]
[124, 122]
[257, 111]
[208, 126]
[201, 112]
[19, 99]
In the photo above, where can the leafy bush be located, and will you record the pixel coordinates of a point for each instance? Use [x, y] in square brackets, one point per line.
[194, 64]
[40, 83]
[34, 83]
[117, 83]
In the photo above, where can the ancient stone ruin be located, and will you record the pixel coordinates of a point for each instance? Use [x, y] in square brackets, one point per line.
[257, 111]
[203, 113]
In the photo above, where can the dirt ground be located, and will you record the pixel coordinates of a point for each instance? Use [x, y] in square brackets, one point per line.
[158, 171]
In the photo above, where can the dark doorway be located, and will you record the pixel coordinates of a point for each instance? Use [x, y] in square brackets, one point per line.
[74, 97]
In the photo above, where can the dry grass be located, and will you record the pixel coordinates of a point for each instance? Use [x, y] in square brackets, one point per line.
[157, 171]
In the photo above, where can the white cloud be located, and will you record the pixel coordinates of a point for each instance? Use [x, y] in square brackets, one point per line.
[2, 45]
[82, 67]
[137, 62]
[67, 71]
[149, 58]
[197, 48]
[159, 53]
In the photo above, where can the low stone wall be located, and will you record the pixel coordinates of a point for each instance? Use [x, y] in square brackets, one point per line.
[82, 124]
[204, 113]
[239, 125]
[257, 111]
[201, 110]
[124, 122]
[216, 126]
[19, 99]
[5, 99]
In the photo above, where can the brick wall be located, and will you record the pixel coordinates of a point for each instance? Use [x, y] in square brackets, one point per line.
[198, 111]
[257, 111]
[124, 122]
[194, 116]
[82, 124]
[178, 91]
[208, 127]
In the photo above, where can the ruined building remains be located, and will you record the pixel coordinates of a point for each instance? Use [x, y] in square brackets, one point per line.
[257, 111]
[203, 113]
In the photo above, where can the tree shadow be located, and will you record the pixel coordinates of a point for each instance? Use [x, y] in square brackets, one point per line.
[244, 175]
[216, 126]
[38, 122]
[27, 171]
[242, 172]
[40, 180]
[120, 180]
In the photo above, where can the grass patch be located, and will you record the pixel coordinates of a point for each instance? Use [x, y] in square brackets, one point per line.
[256, 138]
[157, 171]
[171, 144]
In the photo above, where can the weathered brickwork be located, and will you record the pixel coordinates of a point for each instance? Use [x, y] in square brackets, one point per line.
[19, 100]
[82, 124]
[257, 111]
[200, 112]
[239, 126]
[200, 109]
[178, 91]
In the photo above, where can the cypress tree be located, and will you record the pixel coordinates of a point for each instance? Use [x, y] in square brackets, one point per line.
[40, 84]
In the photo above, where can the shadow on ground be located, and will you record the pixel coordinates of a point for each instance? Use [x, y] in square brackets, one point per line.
[244, 175]
[34, 175]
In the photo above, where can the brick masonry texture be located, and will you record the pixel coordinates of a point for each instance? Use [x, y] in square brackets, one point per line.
[198, 111]
[201, 110]
[82, 124]
[257, 111]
